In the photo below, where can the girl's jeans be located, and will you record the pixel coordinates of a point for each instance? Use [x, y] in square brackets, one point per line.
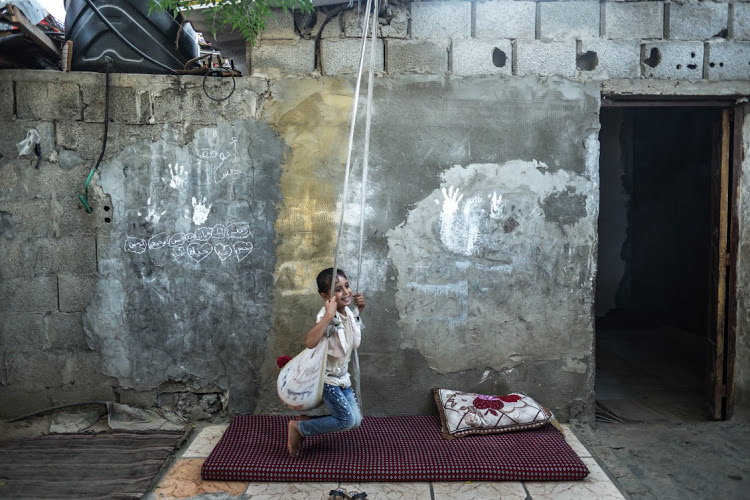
[344, 409]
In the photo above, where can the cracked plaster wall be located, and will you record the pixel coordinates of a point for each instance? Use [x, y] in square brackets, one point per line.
[480, 234]
[186, 278]
[480, 238]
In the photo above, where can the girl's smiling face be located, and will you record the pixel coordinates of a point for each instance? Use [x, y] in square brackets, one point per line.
[342, 293]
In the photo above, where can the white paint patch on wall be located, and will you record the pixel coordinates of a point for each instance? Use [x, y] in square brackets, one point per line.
[527, 277]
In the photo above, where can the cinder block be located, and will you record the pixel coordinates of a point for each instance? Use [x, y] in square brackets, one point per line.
[505, 20]
[352, 22]
[63, 332]
[189, 104]
[482, 57]
[441, 19]
[21, 332]
[283, 56]
[536, 57]
[672, 60]
[29, 218]
[626, 20]
[398, 23]
[279, 26]
[332, 28]
[741, 21]
[74, 220]
[698, 21]
[6, 100]
[613, 58]
[20, 181]
[31, 295]
[84, 138]
[42, 367]
[566, 20]
[125, 104]
[47, 100]
[65, 255]
[728, 61]
[417, 56]
[16, 131]
[342, 56]
[16, 253]
[10, 190]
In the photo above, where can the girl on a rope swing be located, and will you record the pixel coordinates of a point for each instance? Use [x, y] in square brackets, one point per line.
[343, 328]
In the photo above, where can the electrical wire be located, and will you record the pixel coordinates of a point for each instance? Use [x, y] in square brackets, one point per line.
[53, 408]
[84, 198]
[234, 83]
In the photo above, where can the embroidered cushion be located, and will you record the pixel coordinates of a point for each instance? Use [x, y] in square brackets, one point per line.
[464, 413]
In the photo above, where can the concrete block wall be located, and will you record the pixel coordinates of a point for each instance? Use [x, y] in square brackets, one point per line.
[50, 247]
[613, 39]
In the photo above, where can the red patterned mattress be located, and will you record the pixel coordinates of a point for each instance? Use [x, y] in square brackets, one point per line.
[389, 449]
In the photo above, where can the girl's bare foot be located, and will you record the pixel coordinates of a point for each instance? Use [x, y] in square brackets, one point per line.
[293, 439]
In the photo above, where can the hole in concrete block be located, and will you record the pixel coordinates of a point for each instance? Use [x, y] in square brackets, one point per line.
[692, 54]
[721, 64]
[106, 208]
[587, 61]
[654, 58]
[692, 66]
[499, 58]
[107, 220]
[304, 23]
[679, 66]
[710, 64]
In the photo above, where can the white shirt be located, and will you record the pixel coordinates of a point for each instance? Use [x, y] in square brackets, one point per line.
[344, 335]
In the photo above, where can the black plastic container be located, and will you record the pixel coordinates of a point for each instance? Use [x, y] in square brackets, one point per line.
[152, 34]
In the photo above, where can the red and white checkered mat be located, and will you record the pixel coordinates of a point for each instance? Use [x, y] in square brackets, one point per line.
[389, 449]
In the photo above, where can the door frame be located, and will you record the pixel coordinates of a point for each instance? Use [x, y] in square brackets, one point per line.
[721, 338]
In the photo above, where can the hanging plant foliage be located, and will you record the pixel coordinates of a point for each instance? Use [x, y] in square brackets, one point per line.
[247, 17]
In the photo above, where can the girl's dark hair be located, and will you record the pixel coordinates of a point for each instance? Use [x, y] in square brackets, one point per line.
[325, 278]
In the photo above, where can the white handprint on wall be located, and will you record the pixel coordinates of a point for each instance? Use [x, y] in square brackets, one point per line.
[496, 206]
[153, 214]
[462, 222]
[177, 176]
[200, 211]
[456, 231]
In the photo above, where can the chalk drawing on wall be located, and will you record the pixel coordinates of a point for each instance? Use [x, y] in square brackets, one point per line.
[227, 161]
[199, 244]
[459, 290]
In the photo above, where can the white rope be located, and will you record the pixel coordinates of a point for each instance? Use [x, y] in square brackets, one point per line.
[349, 149]
[365, 163]
[366, 155]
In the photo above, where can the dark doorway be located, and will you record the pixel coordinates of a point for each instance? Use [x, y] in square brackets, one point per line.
[653, 291]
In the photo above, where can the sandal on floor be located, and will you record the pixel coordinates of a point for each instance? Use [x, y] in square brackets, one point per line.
[339, 493]
[361, 494]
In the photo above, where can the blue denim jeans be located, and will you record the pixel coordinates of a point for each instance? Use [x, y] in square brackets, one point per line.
[345, 414]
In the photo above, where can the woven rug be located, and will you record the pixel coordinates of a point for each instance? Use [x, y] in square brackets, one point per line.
[111, 465]
[389, 449]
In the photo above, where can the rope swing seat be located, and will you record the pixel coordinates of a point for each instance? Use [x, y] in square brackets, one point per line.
[300, 381]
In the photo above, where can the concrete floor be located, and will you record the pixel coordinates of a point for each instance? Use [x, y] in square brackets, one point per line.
[182, 480]
[666, 447]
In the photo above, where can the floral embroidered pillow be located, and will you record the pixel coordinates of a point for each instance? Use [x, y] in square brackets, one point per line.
[464, 413]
